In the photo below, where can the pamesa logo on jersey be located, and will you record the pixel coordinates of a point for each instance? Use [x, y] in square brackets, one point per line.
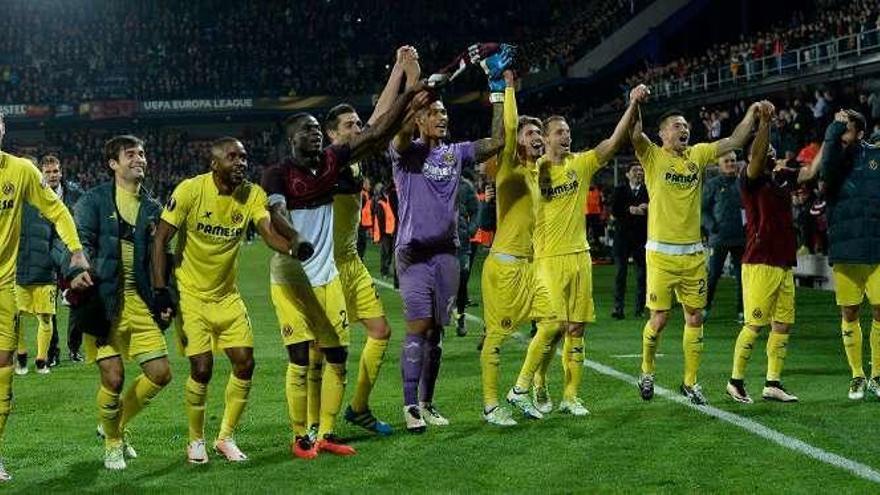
[222, 231]
[549, 191]
[683, 180]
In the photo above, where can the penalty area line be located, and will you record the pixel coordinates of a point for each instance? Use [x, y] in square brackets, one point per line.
[853, 467]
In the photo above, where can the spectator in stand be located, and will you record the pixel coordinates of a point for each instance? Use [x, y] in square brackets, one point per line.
[723, 222]
[630, 210]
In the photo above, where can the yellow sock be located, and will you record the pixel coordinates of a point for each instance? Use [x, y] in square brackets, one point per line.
[139, 394]
[540, 378]
[692, 344]
[44, 336]
[237, 391]
[490, 362]
[5, 396]
[539, 348]
[196, 396]
[742, 351]
[297, 397]
[573, 356]
[19, 329]
[852, 344]
[332, 391]
[777, 347]
[875, 348]
[315, 375]
[368, 369]
[650, 339]
[108, 415]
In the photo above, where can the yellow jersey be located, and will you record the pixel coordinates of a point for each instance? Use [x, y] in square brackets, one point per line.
[128, 204]
[562, 188]
[211, 227]
[347, 218]
[675, 185]
[514, 189]
[21, 181]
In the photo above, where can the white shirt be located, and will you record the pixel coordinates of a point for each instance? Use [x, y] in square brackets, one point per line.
[314, 225]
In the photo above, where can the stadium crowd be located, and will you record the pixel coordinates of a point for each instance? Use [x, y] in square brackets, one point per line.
[103, 50]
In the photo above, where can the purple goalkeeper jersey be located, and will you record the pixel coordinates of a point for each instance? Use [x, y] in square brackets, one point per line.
[427, 189]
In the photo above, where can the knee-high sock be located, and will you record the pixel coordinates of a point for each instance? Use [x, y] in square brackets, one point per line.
[852, 344]
[237, 392]
[332, 391]
[109, 416]
[44, 336]
[742, 351]
[315, 375]
[433, 350]
[139, 394]
[777, 348]
[573, 356]
[368, 370]
[19, 331]
[296, 388]
[692, 344]
[540, 348]
[540, 378]
[650, 340]
[875, 348]
[411, 363]
[490, 361]
[196, 396]
[5, 396]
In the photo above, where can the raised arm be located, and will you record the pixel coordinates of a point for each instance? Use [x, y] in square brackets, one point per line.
[389, 123]
[808, 173]
[638, 138]
[833, 152]
[406, 65]
[510, 120]
[762, 143]
[741, 133]
[607, 148]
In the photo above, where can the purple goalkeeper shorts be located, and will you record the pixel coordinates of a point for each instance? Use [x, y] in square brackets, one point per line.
[428, 284]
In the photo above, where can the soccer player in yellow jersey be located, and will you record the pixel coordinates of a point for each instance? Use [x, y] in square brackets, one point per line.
[210, 213]
[116, 221]
[511, 292]
[362, 302]
[562, 254]
[675, 259]
[20, 183]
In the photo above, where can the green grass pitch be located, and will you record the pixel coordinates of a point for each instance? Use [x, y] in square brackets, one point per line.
[625, 445]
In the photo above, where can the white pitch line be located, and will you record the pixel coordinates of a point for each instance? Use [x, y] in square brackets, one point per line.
[853, 467]
[630, 356]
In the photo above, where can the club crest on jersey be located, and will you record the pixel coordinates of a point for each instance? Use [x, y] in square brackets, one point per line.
[8, 188]
[237, 217]
[449, 158]
[757, 314]
[287, 331]
[506, 323]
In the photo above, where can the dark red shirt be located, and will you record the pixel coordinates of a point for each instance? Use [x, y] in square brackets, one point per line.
[770, 234]
[303, 187]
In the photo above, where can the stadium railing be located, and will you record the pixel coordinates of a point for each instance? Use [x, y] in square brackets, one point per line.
[786, 63]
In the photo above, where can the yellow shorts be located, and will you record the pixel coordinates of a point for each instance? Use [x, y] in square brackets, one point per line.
[683, 274]
[134, 335]
[512, 294]
[768, 294]
[8, 328]
[361, 297]
[852, 282]
[213, 325]
[307, 313]
[36, 299]
[569, 281]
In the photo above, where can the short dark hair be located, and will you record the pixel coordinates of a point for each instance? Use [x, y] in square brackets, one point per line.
[331, 120]
[549, 120]
[295, 120]
[525, 120]
[219, 143]
[672, 112]
[633, 164]
[49, 160]
[117, 144]
[857, 119]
